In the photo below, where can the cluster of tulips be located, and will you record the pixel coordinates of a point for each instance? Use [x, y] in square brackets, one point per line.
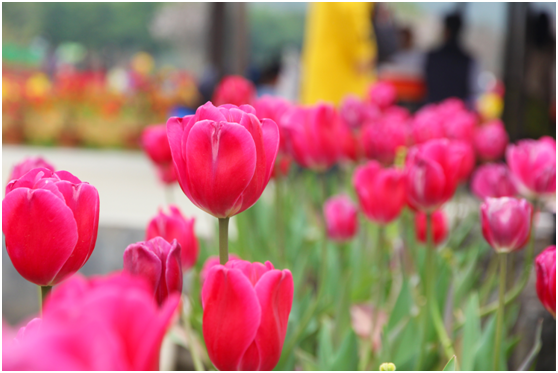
[223, 157]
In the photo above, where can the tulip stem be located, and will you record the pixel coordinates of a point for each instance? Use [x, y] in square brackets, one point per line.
[43, 291]
[500, 314]
[223, 240]
[279, 222]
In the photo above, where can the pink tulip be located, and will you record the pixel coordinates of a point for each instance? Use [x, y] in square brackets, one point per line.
[50, 221]
[450, 107]
[467, 160]
[341, 218]
[492, 180]
[271, 107]
[109, 323]
[27, 165]
[353, 112]
[460, 126]
[545, 265]
[533, 166]
[314, 136]
[175, 226]
[427, 125]
[155, 143]
[158, 262]
[246, 309]
[381, 192]
[382, 94]
[439, 227]
[223, 157]
[234, 90]
[382, 140]
[29, 330]
[433, 170]
[491, 140]
[506, 223]
[351, 145]
[210, 263]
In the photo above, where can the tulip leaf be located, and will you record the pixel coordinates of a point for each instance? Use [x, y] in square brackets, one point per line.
[451, 365]
[471, 333]
[325, 345]
[406, 347]
[347, 356]
[402, 306]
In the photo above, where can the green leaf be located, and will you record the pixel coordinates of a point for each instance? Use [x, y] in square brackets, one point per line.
[451, 366]
[325, 345]
[471, 333]
[347, 356]
[402, 307]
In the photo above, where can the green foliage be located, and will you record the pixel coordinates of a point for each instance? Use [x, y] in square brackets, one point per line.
[451, 365]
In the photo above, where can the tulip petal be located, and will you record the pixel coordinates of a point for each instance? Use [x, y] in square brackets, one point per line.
[271, 144]
[208, 111]
[176, 130]
[253, 271]
[139, 260]
[173, 268]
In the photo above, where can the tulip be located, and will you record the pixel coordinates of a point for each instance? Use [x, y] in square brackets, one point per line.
[246, 309]
[396, 114]
[158, 262]
[210, 263]
[27, 165]
[282, 165]
[533, 166]
[223, 157]
[234, 90]
[450, 107]
[491, 140]
[351, 146]
[354, 112]
[427, 125]
[460, 126]
[546, 278]
[341, 218]
[50, 221]
[155, 143]
[381, 192]
[109, 323]
[492, 180]
[382, 94]
[382, 140]
[439, 227]
[29, 330]
[506, 223]
[175, 226]
[467, 160]
[270, 107]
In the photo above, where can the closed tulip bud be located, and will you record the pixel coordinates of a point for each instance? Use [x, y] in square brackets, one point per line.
[533, 166]
[158, 262]
[27, 165]
[427, 125]
[234, 90]
[155, 143]
[223, 157]
[381, 140]
[341, 218]
[545, 265]
[210, 263]
[381, 192]
[382, 94]
[506, 223]
[491, 140]
[50, 221]
[439, 227]
[175, 226]
[246, 308]
[492, 180]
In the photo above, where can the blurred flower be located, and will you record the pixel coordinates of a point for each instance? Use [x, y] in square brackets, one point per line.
[156, 144]
[271, 107]
[427, 125]
[50, 221]
[282, 165]
[381, 140]
[351, 145]
[451, 106]
[492, 180]
[382, 94]
[246, 308]
[210, 263]
[27, 165]
[341, 218]
[387, 367]
[355, 112]
[234, 90]
[490, 105]
[460, 126]
[439, 227]
[545, 264]
[491, 140]
[29, 330]
[223, 157]
[467, 160]
[361, 321]
[143, 63]
[37, 86]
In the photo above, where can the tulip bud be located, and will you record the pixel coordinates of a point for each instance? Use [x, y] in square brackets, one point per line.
[246, 308]
[50, 221]
[155, 143]
[492, 180]
[27, 165]
[439, 227]
[506, 223]
[387, 367]
[159, 263]
[341, 218]
[234, 90]
[382, 94]
[545, 265]
[491, 140]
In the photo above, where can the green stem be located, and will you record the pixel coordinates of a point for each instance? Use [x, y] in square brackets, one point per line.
[279, 222]
[198, 365]
[500, 314]
[223, 240]
[43, 292]
[382, 264]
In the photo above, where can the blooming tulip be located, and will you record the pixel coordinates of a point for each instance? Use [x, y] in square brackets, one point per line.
[491, 140]
[382, 94]
[341, 218]
[271, 107]
[506, 223]
[155, 143]
[467, 160]
[382, 140]
[158, 262]
[223, 157]
[246, 308]
[439, 226]
[533, 166]
[351, 145]
[175, 226]
[546, 278]
[354, 112]
[234, 90]
[381, 192]
[27, 165]
[492, 180]
[210, 263]
[460, 126]
[50, 221]
[450, 107]
[427, 125]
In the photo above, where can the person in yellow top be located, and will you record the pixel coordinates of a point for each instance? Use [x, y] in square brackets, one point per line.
[338, 52]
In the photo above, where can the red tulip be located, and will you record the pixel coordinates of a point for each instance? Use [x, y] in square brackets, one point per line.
[158, 262]
[271, 107]
[545, 265]
[175, 226]
[27, 165]
[210, 263]
[467, 160]
[29, 330]
[450, 107]
[351, 145]
[341, 218]
[282, 165]
[433, 171]
[506, 223]
[382, 140]
[491, 140]
[354, 112]
[50, 221]
[381, 192]
[460, 126]
[492, 180]
[109, 323]
[439, 226]
[382, 94]
[533, 166]
[155, 143]
[246, 309]
[427, 125]
[223, 157]
[313, 136]
[234, 90]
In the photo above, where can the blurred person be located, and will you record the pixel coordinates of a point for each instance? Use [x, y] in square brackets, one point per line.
[338, 54]
[267, 81]
[385, 31]
[408, 61]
